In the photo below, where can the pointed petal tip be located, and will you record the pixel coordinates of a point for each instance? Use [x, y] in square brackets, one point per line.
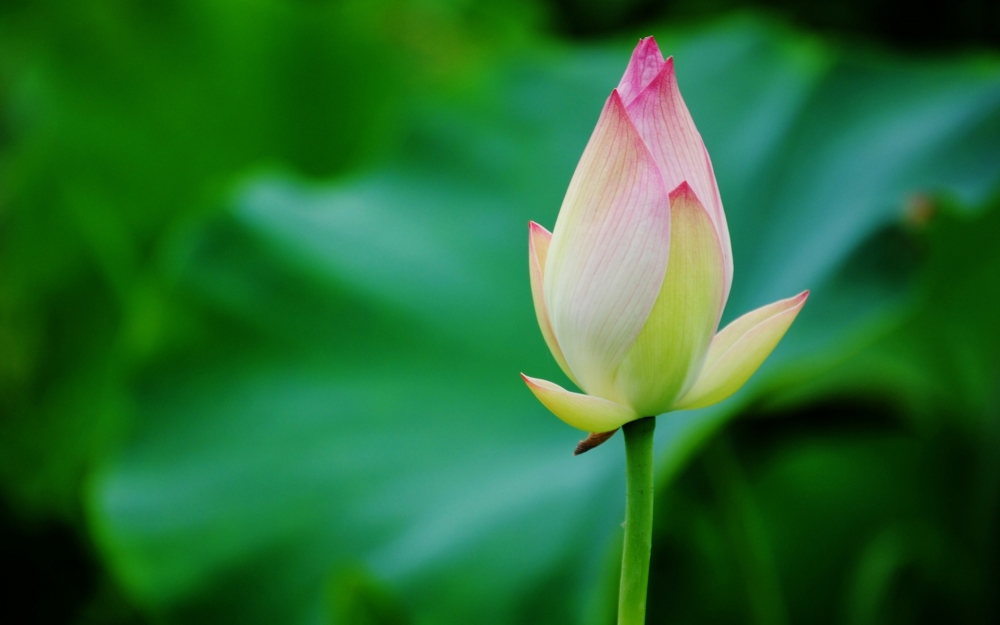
[667, 72]
[535, 229]
[647, 46]
[684, 197]
[643, 66]
[684, 190]
[795, 301]
[616, 104]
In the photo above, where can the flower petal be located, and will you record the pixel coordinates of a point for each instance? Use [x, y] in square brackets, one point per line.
[646, 63]
[666, 126]
[739, 350]
[667, 355]
[538, 251]
[590, 414]
[608, 253]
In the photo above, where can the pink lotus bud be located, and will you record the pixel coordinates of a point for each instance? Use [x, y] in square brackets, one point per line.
[630, 285]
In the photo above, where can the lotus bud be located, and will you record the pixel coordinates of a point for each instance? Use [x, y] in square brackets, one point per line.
[630, 285]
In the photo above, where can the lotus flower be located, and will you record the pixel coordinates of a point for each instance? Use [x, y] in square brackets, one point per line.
[630, 285]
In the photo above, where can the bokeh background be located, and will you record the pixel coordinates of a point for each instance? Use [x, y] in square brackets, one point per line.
[264, 300]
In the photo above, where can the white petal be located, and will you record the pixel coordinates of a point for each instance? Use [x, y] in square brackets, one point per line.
[609, 251]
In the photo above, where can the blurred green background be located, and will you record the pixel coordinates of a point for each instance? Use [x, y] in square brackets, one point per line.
[264, 300]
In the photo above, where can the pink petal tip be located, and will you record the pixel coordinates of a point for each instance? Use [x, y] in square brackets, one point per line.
[684, 190]
[645, 64]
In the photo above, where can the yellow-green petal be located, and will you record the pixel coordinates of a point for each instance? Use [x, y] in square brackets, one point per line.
[590, 414]
[668, 353]
[739, 350]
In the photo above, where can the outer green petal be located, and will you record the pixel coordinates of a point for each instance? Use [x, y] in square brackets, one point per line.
[590, 414]
[667, 355]
[738, 328]
[538, 250]
[739, 350]
[609, 251]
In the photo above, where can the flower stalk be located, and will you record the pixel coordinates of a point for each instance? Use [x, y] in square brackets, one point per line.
[630, 286]
[638, 521]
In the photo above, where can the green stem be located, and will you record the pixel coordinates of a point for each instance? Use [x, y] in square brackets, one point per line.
[638, 521]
